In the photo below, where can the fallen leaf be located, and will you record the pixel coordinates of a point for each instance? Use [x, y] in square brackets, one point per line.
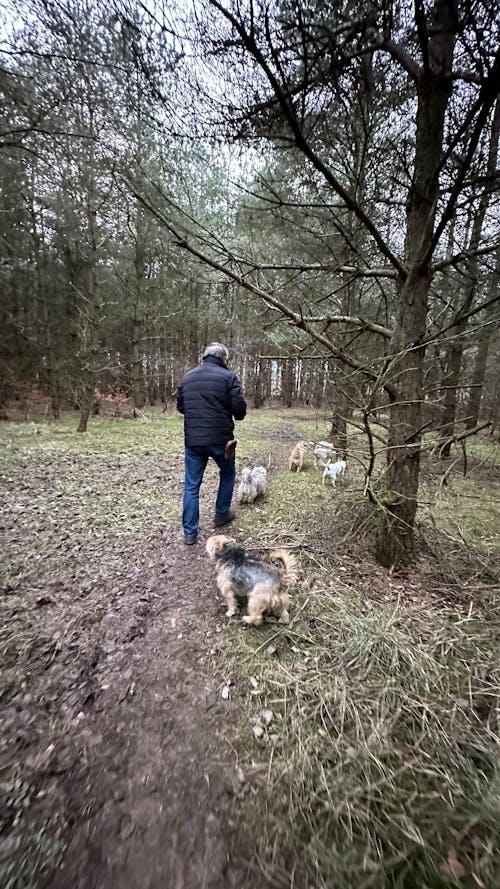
[258, 730]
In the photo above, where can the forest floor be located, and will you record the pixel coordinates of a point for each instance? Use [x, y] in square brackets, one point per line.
[148, 742]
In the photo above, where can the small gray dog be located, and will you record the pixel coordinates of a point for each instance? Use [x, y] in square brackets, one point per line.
[253, 484]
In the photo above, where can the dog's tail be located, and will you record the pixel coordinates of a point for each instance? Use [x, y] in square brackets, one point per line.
[288, 568]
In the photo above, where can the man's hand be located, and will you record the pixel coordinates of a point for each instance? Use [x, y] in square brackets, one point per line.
[230, 450]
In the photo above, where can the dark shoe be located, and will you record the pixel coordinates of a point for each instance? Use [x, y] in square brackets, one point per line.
[190, 540]
[230, 449]
[224, 518]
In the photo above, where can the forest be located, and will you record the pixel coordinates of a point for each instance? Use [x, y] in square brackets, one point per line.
[316, 186]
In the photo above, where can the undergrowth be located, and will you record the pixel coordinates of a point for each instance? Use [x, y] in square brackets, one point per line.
[381, 762]
[371, 752]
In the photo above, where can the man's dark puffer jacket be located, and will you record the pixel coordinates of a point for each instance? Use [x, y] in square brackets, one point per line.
[210, 396]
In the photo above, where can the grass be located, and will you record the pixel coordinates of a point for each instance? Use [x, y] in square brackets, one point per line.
[468, 510]
[380, 766]
[128, 439]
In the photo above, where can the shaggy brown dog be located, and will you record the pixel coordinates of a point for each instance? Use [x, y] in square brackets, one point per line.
[297, 456]
[242, 579]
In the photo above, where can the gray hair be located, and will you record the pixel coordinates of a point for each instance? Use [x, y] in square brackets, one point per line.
[218, 350]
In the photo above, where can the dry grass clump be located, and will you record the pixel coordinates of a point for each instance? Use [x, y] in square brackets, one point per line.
[382, 756]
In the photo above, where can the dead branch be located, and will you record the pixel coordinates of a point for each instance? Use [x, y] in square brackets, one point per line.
[463, 435]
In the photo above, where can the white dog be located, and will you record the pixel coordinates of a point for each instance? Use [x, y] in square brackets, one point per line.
[334, 471]
[323, 451]
[253, 484]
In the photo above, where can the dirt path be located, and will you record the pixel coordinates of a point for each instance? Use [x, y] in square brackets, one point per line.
[117, 723]
[161, 772]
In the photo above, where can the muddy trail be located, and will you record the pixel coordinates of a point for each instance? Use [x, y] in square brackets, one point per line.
[116, 766]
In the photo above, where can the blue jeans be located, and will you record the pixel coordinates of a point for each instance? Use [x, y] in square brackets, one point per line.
[195, 462]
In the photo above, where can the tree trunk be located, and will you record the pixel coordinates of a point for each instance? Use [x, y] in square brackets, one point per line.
[162, 369]
[317, 393]
[495, 408]
[395, 541]
[338, 432]
[476, 392]
[457, 333]
[258, 385]
[474, 403]
[137, 321]
[194, 343]
[137, 370]
[55, 404]
[85, 409]
[287, 381]
[451, 379]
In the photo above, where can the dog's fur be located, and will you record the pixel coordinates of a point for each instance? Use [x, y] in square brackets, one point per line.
[334, 471]
[253, 483]
[323, 450]
[297, 456]
[242, 579]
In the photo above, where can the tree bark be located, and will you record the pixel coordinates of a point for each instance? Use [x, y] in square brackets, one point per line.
[258, 384]
[476, 392]
[338, 432]
[137, 370]
[395, 543]
[85, 410]
[457, 333]
[287, 381]
[137, 320]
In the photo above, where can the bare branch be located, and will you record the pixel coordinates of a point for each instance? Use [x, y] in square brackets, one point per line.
[488, 94]
[464, 435]
[399, 55]
[350, 319]
[271, 300]
[288, 110]
[321, 267]
[463, 256]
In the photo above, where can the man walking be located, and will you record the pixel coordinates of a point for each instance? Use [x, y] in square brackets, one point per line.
[210, 397]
